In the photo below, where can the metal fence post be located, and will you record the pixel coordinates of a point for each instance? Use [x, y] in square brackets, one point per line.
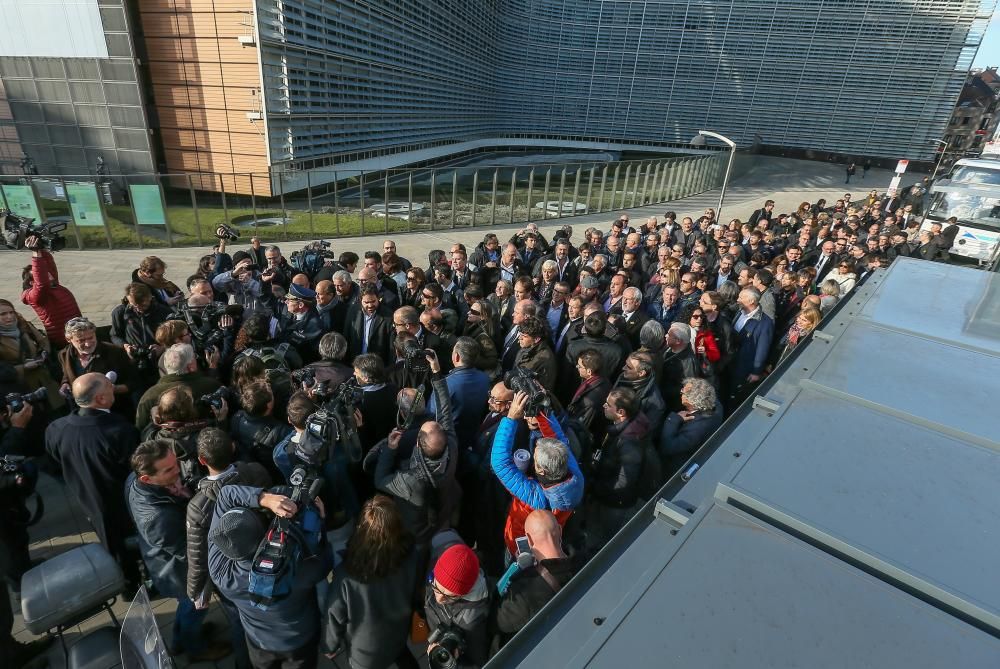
[72, 218]
[545, 196]
[493, 207]
[166, 217]
[433, 194]
[639, 169]
[409, 199]
[387, 201]
[590, 187]
[454, 197]
[336, 203]
[576, 190]
[225, 204]
[531, 185]
[284, 211]
[600, 194]
[562, 192]
[253, 203]
[475, 194]
[614, 187]
[194, 208]
[309, 203]
[513, 193]
[647, 197]
[135, 218]
[361, 193]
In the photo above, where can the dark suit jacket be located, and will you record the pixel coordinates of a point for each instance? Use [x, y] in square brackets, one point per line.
[379, 339]
[93, 449]
[753, 343]
[634, 325]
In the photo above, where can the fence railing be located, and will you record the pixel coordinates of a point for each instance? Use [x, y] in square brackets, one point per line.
[141, 211]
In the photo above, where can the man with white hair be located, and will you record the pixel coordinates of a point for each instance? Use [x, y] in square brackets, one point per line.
[633, 315]
[754, 333]
[679, 363]
[181, 370]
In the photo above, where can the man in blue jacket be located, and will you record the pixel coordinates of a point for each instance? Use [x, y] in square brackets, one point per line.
[754, 332]
[158, 501]
[468, 391]
[286, 634]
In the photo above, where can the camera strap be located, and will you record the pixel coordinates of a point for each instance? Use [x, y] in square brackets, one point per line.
[548, 577]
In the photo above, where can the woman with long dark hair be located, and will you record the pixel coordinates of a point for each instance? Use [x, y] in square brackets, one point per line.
[479, 325]
[369, 604]
[22, 346]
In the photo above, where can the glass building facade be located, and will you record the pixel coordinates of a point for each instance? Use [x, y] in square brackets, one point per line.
[356, 79]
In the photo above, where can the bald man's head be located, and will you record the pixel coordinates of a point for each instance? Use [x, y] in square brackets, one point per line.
[93, 391]
[544, 534]
[198, 300]
[432, 440]
[301, 280]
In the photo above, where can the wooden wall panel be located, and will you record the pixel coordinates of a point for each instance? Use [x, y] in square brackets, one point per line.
[204, 83]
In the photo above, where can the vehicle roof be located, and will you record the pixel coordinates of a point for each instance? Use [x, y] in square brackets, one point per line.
[985, 163]
[848, 515]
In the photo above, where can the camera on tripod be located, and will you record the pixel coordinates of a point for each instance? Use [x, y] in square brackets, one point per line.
[450, 643]
[15, 401]
[16, 229]
[523, 380]
[227, 232]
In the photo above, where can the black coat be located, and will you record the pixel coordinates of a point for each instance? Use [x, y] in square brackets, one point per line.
[93, 449]
[159, 519]
[611, 353]
[680, 438]
[379, 339]
[527, 594]
[676, 368]
[378, 412]
[633, 326]
[588, 406]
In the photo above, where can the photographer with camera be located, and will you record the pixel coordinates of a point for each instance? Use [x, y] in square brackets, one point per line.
[150, 272]
[242, 286]
[53, 303]
[176, 420]
[546, 475]
[16, 483]
[181, 370]
[457, 605]
[425, 486]
[133, 327]
[284, 632]
[92, 447]
[254, 427]
[27, 350]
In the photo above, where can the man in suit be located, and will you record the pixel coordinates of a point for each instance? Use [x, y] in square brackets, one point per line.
[555, 310]
[633, 317]
[93, 447]
[368, 329]
[511, 347]
[824, 261]
[388, 294]
[754, 333]
[889, 205]
[406, 319]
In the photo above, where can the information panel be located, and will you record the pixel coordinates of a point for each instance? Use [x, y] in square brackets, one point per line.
[21, 200]
[85, 204]
[147, 203]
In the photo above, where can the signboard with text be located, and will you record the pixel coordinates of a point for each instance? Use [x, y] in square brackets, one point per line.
[21, 201]
[147, 203]
[893, 186]
[901, 166]
[85, 205]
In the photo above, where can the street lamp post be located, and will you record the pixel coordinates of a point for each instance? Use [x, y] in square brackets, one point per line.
[699, 140]
[940, 159]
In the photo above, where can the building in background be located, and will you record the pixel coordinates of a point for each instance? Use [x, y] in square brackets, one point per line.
[70, 92]
[289, 90]
[975, 118]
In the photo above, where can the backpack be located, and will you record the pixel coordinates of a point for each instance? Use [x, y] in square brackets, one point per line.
[276, 366]
[289, 548]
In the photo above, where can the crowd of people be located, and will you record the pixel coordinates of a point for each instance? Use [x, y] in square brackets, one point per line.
[478, 428]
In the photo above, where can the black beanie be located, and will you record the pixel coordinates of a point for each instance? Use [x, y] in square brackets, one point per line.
[238, 533]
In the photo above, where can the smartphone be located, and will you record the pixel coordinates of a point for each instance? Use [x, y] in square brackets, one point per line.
[522, 545]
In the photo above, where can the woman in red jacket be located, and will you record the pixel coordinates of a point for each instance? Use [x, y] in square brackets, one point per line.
[54, 304]
[703, 341]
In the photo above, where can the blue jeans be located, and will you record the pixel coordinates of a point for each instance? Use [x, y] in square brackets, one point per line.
[187, 627]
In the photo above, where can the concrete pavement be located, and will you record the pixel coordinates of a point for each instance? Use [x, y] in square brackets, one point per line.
[98, 278]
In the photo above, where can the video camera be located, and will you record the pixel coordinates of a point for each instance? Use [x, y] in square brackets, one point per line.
[19, 478]
[215, 400]
[307, 377]
[523, 380]
[227, 232]
[312, 257]
[415, 358]
[18, 228]
[15, 401]
[203, 323]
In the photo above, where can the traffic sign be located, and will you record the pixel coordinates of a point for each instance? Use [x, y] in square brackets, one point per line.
[901, 166]
[893, 186]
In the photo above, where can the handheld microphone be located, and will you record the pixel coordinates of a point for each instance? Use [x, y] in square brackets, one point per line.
[112, 376]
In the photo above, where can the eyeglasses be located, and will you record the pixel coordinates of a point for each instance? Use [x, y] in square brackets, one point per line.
[427, 297]
[697, 316]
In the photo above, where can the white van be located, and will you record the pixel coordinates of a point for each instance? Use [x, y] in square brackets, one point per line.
[971, 193]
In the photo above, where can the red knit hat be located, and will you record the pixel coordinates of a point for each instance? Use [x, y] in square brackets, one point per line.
[457, 569]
